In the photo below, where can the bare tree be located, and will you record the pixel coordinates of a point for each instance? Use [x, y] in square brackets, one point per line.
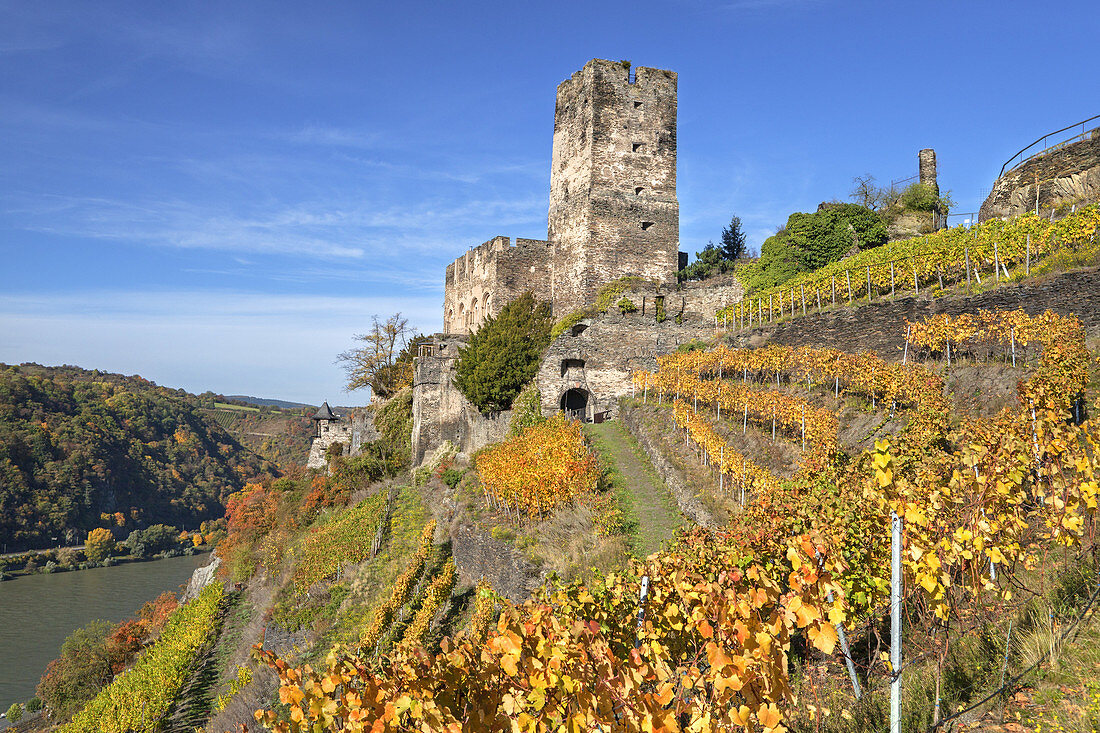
[865, 192]
[384, 362]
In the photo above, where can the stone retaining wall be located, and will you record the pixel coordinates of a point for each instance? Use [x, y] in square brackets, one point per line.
[880, 326]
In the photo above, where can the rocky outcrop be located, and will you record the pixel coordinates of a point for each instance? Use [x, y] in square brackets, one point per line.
[1060, 178]
[201, 578]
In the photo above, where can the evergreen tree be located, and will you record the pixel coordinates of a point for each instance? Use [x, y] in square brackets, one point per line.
[733, 240]
[504, 354]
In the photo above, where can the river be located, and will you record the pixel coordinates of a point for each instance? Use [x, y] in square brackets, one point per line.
[37, 612]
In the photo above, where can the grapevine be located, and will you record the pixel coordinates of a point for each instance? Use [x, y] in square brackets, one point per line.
[439, 591]
[546, 466]
[399, 596]
[145, 691]
[921, 261]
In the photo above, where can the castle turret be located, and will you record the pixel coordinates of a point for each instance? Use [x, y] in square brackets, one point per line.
[323, 420]
[613, 206]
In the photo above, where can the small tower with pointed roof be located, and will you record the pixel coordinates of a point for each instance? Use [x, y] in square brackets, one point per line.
[323, 420]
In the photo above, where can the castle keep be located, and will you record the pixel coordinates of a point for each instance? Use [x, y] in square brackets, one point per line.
[613, 208]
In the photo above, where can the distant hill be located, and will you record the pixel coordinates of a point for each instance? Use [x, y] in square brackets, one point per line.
[267, 402]
[77, 444]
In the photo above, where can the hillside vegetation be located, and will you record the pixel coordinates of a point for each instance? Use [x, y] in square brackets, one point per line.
[76, 444]
[740, 628]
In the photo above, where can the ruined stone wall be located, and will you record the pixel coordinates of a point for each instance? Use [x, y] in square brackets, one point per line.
[1061, 178]
[480, 282]
[598, 355]
[880, 326]
[927, 169]
[613, 207]
[441, 412]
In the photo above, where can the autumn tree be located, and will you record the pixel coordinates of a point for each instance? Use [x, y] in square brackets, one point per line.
[99, 544]
[385, 361]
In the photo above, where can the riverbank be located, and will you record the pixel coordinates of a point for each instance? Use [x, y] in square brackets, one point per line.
[66, 559]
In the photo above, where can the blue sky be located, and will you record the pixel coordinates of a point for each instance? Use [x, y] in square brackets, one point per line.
[219, 195]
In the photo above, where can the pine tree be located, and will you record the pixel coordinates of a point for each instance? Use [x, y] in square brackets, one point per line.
[733, 240]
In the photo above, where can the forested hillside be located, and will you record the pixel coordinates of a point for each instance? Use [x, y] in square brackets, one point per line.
[77, 444]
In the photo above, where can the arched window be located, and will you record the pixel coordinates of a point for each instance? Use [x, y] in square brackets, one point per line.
[487, 301]
[475, 313]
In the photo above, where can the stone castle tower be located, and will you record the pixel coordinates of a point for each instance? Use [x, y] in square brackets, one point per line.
[613, 207]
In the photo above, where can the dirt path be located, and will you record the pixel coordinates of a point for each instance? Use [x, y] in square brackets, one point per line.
[652, 505]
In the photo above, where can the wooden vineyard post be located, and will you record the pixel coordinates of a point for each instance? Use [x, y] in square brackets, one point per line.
[721, 470]
[833, 278]
[848, 274]
[1013, 333]
[745, 424]
[966, 251]
[996, 264]
[939, 272]
[792, 302]
[1028, 270]
[802, 288]
[916, 282]
[771, 316]
[818, 299]
[868, 283]
[891, 279]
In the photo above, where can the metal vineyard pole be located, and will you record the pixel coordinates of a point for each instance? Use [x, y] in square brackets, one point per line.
[642, 594]
[895, 623]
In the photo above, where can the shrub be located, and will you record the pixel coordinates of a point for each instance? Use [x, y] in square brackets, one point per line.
[811, 241]
[34, 705]
[626, 305]
[451, 476]
[15, 712]
[919, 197]
[504, 354]
[526, 409]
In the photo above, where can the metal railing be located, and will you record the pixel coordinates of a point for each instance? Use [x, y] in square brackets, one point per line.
[1047, 149]
[895, 184]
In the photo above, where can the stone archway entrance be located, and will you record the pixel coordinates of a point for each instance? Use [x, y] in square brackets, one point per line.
[574, 403]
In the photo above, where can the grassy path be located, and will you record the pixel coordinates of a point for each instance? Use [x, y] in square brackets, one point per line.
[634, 479]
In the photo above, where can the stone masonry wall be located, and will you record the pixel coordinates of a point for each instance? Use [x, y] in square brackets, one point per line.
[613, 207]
[483, 280]
[1067, 176]
[880, 326]
[441, 412]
